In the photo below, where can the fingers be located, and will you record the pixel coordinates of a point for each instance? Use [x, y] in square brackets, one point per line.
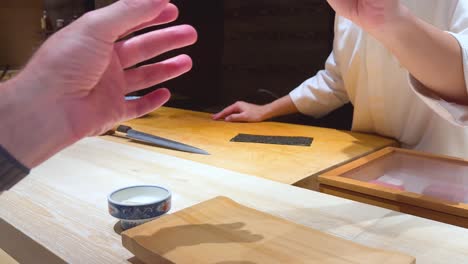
[149, 75]
[146, 104]
[169, 14]
[241, 117]
[110, 22]
[152, 44]
[234, 108]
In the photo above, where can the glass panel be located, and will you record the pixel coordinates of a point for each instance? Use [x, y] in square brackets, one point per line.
[443, 179]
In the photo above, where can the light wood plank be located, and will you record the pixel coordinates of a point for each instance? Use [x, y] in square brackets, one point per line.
[220, 230]
[62, 205]
[6, 259]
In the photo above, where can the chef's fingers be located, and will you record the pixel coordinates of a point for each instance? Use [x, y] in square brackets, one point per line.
[234, 108]
[148, 103]
[149, 75]
[149, 45]
[169, 14]
[109, 23]
[241, 117]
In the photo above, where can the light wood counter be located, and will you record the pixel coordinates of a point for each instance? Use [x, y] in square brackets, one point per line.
[6, 259]
[286, 164]
[62, 206]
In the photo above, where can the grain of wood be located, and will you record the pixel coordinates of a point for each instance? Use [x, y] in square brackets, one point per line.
[221, 230]
[62, 205]
[285, 164]
[6, 259]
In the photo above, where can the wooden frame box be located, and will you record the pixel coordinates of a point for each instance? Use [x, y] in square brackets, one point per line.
[425, 185]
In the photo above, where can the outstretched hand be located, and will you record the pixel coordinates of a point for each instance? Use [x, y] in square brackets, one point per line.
[371, 15]
[87, 72]
[74, 86]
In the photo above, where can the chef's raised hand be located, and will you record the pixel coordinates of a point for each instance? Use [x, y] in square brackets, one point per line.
[411, 39]
[371, 15]
[74, 86]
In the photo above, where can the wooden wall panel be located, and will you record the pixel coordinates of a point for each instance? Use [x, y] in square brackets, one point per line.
[273, 45]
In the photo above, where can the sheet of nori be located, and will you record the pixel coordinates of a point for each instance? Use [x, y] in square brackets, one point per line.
[277, 140]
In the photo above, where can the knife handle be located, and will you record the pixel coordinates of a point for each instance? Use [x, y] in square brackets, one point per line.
[120, 128]
[110, 132]
[123, 129]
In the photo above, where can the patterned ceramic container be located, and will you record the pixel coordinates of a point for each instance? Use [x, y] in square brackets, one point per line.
[136, 205]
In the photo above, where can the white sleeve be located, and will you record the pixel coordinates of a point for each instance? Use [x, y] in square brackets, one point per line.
[455, 113]
[322, 93]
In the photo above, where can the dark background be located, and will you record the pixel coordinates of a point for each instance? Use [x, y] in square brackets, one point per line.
[251, 50]
[255, 51]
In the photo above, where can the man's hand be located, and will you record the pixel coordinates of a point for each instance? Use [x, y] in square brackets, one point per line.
[87, 73]
[371, 15]
[74, 86]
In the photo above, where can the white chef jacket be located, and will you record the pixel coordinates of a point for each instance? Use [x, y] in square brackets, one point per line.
[386, 99]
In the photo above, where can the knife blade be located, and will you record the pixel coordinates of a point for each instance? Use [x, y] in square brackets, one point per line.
[158, 141]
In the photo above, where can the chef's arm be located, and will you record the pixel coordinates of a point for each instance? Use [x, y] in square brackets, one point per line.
[281, 107]
[315, 97]
[432, 56]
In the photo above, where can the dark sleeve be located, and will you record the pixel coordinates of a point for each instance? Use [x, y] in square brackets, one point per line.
[11, 170]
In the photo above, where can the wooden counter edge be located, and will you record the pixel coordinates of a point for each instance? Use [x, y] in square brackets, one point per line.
[366, 191]
[312, 183]
[22, 248]
[6, 259]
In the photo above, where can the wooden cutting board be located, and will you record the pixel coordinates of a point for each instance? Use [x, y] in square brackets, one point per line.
[223, 231]
[285, 164]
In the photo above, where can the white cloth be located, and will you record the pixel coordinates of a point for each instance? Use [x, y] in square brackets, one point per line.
[363, 71]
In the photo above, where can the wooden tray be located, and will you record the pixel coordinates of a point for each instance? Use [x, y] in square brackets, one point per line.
[222, 231]
[430, 186]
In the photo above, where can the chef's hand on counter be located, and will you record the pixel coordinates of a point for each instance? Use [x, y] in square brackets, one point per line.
[74, 86]
[246, 112]
[432, 56]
